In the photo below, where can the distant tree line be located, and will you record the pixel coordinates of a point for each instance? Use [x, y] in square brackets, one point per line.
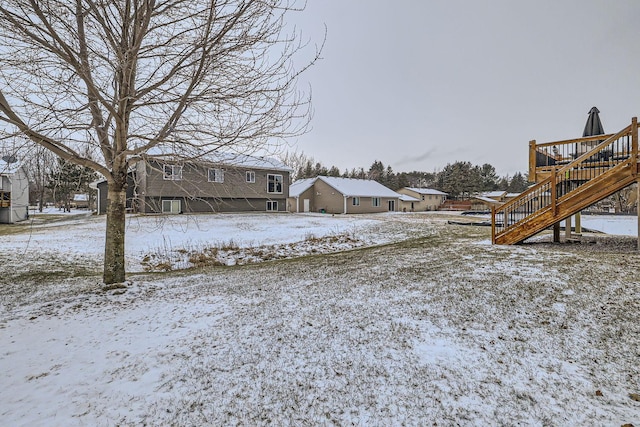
[459, 179]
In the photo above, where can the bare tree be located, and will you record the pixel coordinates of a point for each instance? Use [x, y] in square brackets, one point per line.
[41, 164]
[119, 79]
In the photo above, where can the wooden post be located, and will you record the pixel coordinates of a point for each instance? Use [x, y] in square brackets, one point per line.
[556, 232]
[634, 144]
[634, 155]
[493, 225]
[532, 161]
[567, 228]
[554, 192]
[578, 224]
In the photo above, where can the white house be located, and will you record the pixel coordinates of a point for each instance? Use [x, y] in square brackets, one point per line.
[14, 191]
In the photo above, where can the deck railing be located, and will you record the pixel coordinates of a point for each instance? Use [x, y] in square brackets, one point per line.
[569, 167]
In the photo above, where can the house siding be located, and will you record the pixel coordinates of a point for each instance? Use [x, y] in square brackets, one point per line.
[366, 205]
[307, 194]
[148, 189]
[328, 198]
[431, 202]
[18, 185]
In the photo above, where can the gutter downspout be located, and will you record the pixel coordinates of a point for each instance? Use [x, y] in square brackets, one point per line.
[345, 204]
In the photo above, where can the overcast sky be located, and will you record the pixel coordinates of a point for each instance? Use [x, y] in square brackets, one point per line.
[418, 84]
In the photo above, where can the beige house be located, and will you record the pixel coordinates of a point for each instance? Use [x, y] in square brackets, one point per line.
[14, 191]
[428, 199]
[341, 196]
[408, 203]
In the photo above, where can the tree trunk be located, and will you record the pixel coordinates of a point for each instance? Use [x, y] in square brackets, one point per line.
[114, 268]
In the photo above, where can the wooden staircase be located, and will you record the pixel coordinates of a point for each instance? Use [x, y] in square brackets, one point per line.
[570, 176]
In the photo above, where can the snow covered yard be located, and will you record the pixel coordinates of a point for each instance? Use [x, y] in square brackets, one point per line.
[435, 327]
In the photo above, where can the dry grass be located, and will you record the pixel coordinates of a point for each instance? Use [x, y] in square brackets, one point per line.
[441, 328]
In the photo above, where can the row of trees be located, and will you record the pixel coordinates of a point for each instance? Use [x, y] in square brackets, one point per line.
[459, 179]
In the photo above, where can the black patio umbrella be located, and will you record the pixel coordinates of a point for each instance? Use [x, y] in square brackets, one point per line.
[594, 125]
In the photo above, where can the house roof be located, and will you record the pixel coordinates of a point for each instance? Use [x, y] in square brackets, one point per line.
[426, 191]
[494, 194]
[9, 168]
[300, 186]
[352, 187]
[487, 200]
[235, 159]
[407, 198]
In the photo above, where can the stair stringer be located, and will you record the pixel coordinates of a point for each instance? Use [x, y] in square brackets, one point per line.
[584, 196]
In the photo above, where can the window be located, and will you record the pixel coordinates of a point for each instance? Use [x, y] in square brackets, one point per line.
[251, 176]
[172, 172]
[216, 175]
[356, 201]
[423, 197]
[375, 201]
[171, 206]
[272, 206]
[274, 183]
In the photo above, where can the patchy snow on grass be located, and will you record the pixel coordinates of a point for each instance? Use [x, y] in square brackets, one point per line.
[433, 330]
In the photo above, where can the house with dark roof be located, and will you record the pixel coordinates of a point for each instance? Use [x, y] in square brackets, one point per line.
[218, 183]
[341, 196]
[14, 191]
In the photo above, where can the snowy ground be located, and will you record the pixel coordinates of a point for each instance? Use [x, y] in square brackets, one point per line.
[435, 328]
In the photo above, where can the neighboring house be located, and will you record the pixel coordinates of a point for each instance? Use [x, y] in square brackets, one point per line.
[14, 191]
[498, 196]
[483, 203]
[428, 198]
[80, 201]
[408, 203]
[341, 195]
[224, 183]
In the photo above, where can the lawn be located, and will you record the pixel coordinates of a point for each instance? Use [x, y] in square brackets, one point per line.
[411, 322]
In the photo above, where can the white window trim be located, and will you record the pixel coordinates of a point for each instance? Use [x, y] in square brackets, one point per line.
[171, 211]
[218, 175]
[355, 201]
[275, 182]
[176, 172]
[251, 176]
[274, 204]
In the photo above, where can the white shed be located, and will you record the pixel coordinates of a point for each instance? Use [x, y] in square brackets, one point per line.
[14, 192]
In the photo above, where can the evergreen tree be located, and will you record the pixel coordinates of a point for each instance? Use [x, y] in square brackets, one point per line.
[376, 171]
[518, 184]
[69, 179]
[489, 178]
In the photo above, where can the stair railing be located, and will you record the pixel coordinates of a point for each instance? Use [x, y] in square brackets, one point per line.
[615, 150]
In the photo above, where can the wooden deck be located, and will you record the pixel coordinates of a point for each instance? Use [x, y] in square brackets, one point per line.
[570, 176]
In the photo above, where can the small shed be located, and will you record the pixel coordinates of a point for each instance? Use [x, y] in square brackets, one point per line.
[14, 191]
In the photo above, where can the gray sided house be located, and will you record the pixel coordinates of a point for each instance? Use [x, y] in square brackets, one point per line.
[341, 196]
[225, 183]
[14, 192]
